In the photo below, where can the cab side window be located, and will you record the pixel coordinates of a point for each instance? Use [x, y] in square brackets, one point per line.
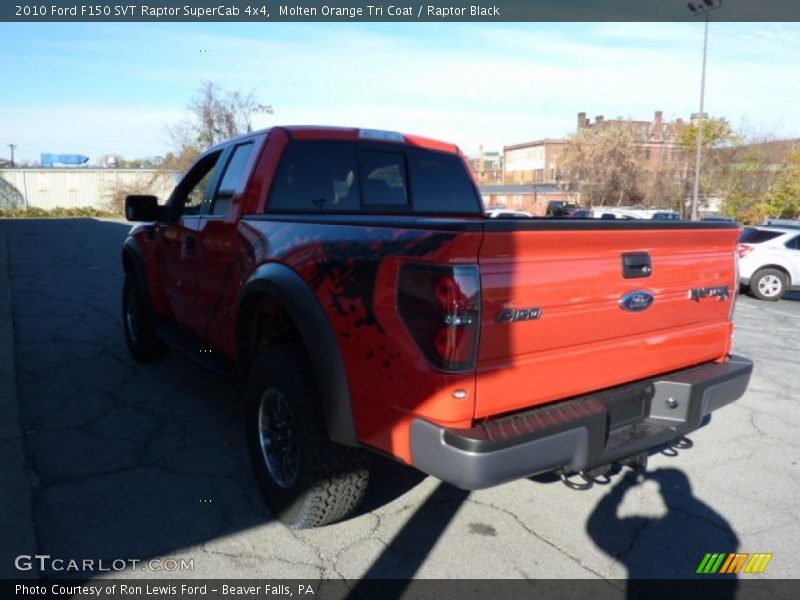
[233, 179]
[194, 187]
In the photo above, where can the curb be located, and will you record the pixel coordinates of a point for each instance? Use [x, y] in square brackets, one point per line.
[16, 510]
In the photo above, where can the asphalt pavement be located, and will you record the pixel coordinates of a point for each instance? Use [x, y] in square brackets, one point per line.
[147, 462]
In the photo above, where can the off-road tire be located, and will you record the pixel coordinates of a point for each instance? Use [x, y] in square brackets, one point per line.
[759, 284]
[331, 479]
[144, 344]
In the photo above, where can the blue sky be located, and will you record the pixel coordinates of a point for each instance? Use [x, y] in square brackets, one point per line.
[103, 88]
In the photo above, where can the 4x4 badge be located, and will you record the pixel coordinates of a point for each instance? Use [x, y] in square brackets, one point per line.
[719, 291]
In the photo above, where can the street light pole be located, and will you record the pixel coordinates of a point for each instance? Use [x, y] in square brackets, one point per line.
[696, 194]
[701, 7]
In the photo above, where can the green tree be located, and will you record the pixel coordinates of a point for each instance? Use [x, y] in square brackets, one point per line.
[749, 174]
[717, 137]
[716, 132]
[783, 198]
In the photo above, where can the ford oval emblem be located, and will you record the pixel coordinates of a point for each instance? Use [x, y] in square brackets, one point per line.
[636, 301]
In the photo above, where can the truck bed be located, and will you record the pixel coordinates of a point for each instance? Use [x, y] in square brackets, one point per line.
[571, 270]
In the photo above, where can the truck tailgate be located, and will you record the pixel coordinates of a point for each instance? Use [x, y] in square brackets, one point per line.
[583, 339]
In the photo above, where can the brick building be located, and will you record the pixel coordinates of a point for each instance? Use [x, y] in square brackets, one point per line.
[657, 138]
[536, 163]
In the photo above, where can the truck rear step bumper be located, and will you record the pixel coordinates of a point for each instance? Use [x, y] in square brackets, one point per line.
[580, 433]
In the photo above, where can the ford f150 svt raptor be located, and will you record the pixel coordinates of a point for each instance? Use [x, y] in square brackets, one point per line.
[352, 277]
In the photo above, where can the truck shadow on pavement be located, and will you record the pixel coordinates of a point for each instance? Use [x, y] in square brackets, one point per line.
[126, 460]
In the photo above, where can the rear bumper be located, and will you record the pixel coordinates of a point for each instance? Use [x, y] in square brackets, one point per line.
[580, 433]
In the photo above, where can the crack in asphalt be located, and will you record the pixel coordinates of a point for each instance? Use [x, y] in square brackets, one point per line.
[541, 538]
[244, 555]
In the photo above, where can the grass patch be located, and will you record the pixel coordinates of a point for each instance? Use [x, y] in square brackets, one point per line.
[57, 213]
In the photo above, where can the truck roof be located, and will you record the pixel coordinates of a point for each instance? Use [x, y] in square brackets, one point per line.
[324, 132]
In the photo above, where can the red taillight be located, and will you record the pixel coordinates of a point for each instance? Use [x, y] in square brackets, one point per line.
[441, 307]
[743, 250]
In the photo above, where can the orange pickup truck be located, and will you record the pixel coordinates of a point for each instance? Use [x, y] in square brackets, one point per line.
[351, 277]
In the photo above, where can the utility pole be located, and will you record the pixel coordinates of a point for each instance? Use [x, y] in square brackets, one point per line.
[703, 7]
[12, 146]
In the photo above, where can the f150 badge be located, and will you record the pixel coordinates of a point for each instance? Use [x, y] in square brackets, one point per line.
[636, 301]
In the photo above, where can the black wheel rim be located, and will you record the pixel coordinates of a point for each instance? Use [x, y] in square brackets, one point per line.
[277, 438]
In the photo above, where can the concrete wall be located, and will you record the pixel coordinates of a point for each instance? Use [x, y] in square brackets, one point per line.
[74, 188]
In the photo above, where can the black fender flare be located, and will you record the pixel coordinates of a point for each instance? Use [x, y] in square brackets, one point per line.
[133, 251]
[327, 364]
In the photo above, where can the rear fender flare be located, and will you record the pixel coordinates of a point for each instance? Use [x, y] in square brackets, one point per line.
[327, 364]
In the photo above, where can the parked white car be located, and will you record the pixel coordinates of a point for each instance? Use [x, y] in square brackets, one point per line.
[769, 260]
[507, 213]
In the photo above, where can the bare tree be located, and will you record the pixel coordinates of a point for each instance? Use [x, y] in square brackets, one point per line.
[667, 186]
[216, 115]
[601, 163]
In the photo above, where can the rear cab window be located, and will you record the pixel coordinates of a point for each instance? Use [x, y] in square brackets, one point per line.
[440, 183]
[370, 177]
[383, 178]
[317, 177]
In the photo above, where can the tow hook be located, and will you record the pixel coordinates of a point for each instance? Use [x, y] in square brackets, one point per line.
[679, 443]
[637, 462]
[589, 477]
[583, 480]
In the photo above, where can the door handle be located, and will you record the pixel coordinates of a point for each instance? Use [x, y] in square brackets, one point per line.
[189, 244]
[636, 264]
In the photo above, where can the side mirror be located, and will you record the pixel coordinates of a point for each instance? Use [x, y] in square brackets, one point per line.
[142, 208]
